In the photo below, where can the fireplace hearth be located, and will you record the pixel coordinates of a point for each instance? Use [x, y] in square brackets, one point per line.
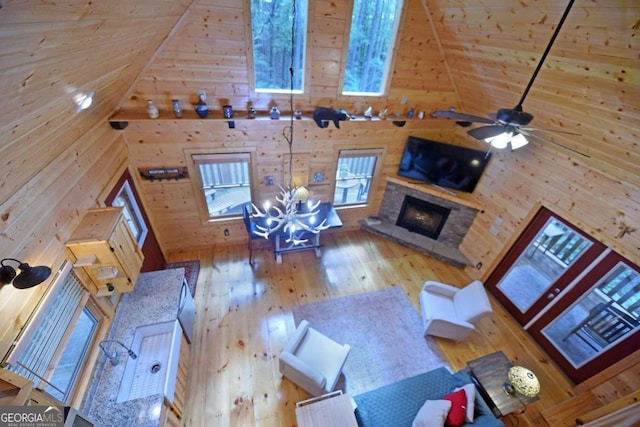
[422, 217]
[426, 219]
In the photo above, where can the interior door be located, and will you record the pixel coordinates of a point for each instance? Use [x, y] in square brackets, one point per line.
[597, 322]
[549, 255]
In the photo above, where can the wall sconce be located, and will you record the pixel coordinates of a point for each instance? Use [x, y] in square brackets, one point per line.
[28, 277]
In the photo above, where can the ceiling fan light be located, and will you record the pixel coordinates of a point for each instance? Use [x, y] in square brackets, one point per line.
[518, 141]
[501, 141]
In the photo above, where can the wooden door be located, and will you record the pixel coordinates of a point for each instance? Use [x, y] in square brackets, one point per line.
[597, 322]
[547, 257]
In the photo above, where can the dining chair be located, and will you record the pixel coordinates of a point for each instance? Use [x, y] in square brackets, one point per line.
[250, 227]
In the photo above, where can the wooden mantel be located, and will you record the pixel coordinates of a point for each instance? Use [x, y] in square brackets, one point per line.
[459, 197]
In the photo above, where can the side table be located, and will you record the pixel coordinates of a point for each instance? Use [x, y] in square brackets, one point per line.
[333, 409]
[489, 373]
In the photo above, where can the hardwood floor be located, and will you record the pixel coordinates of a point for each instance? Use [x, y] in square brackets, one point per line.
[244, 318]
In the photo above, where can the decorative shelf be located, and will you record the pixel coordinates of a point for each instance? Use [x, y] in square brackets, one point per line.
[216, 115]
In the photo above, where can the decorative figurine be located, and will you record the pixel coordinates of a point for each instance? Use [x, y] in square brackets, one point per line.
[382, 115]
[298, 114]
[202, 109]
[368, 113]
[410, 113]
[251, 113]
[177, 109]
[421, 115]
[152, 110]
[227, 111]
[323, 115]
[275, 113]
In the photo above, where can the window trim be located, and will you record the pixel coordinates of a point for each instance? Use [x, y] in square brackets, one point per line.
[33, 324]
[390, 61]
[379, 153]
[306, 60]
[196, 181]
[126, 188]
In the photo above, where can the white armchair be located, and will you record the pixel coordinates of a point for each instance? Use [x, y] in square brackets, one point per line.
[451, 312]
[313, 361]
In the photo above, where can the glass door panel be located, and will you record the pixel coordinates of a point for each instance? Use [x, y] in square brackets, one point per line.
[545, 259]
[599, 322]
[542, 262]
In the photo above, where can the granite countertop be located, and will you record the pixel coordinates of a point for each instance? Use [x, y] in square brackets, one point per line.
[154, 299]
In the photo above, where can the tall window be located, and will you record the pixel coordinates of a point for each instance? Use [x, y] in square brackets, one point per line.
[225, 182]
[374, 25]
[132, 213]
[272, 44]
[53, 347]
[354, 174]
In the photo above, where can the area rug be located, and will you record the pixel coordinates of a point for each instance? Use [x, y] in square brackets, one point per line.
[191, 270]
[384, 332]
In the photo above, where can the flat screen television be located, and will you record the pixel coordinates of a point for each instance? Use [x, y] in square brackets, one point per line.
[442, 164]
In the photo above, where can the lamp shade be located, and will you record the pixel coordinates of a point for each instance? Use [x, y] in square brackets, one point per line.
[518, 141]
[300, 194]
[524, 381]
[28, 277]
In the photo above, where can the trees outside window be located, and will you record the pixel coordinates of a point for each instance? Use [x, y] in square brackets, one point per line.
[272, 44]
[374, 25]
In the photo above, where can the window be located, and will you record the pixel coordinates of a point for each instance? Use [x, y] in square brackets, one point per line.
[272, 44]
[225, 182]
[53, 347]
[355, 171]
[131, 212]
[373, 31]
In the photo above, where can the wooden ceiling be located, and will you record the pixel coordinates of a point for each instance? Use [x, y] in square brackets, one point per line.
[476, 56]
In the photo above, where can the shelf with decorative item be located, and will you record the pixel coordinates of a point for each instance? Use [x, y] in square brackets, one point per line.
[120, 119]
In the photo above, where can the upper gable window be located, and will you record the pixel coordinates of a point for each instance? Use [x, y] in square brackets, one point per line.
[374, 25]
[272, 44]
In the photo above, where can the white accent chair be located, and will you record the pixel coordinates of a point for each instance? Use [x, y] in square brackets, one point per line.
[451, 312]
[313, 361]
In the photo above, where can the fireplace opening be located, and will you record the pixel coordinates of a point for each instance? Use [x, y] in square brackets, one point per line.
[422, 217]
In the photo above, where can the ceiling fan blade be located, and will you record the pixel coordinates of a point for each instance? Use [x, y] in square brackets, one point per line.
[542, 138]
[527, 129]
[484, 132]
[461, 117]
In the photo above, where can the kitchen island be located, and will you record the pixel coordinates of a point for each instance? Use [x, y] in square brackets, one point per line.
[155, 300]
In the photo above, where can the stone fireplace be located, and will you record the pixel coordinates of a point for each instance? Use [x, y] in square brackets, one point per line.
[422, 217]
[426, 218]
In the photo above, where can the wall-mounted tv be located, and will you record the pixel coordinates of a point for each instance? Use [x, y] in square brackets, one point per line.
[442, 164]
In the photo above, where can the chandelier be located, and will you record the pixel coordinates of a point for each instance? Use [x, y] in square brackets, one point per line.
[294, 214]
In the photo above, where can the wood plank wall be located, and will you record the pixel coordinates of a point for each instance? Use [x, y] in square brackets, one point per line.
[57, 163]
[478, 60]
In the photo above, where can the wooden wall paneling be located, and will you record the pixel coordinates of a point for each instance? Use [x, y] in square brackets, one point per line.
[116, 10]
[72, 183]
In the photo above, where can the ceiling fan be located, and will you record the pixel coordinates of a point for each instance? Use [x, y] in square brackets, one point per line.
[507, 125]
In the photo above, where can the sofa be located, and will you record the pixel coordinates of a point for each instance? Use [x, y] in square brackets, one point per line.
[397, 404]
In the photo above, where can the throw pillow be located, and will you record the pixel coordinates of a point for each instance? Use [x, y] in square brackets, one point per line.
[432, 414]
[458, 410]
[470, 391]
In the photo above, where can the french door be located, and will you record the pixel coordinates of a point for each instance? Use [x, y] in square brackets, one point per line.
[576, 297]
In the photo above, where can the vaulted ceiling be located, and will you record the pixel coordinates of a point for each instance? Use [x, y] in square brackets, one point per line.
[479, 56]
[476, 56]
